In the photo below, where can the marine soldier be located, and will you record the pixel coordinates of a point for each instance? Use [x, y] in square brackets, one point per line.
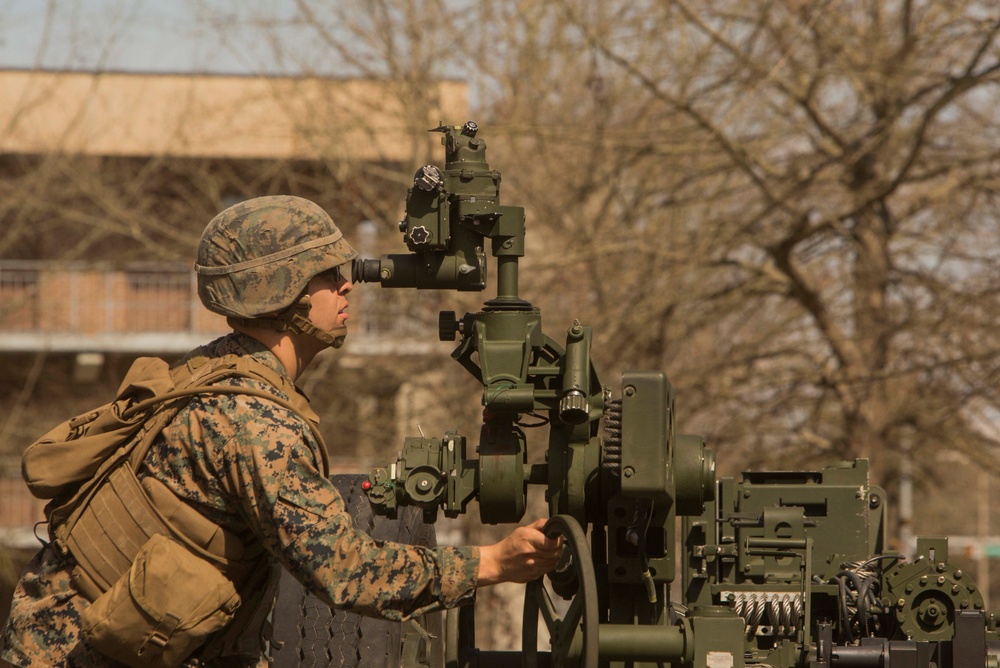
[237, 480]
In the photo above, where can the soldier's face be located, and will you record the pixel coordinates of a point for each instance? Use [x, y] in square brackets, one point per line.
[328, 295]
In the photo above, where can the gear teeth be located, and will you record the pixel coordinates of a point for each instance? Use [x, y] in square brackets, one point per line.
[611, 459]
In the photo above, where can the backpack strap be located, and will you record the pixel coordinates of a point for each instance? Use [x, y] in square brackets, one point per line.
[113, 514]
[199, 376]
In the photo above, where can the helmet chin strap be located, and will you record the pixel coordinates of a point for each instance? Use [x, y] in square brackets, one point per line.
[296, 319]
[334, 338]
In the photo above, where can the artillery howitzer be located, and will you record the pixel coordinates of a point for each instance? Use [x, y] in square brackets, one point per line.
[779, 569]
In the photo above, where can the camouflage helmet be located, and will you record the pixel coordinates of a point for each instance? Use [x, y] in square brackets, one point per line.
[256, 257]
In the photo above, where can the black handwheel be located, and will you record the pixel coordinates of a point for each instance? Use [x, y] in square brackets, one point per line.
[574, 636]
[307, 633]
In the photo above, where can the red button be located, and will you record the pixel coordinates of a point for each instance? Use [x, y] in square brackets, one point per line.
[366, 485]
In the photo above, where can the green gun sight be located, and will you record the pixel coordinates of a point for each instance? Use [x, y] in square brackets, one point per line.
[782, 568]
[449, 215]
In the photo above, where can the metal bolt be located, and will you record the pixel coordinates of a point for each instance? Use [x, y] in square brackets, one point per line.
[956, 589]
[630, 391]
[958, 575]
[384, 274]
[424, 484]
[941, 568]
[901, 603]
[923, 579]
[909, 589]
[628, 471]
[940, 580]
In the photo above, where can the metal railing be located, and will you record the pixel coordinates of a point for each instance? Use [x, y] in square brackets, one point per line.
[155, 308]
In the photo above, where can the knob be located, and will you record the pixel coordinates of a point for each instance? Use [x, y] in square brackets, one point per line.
[447, 326]
[574, 408]
[419, 235]
[429, 178]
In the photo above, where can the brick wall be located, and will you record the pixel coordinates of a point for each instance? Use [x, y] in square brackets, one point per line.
[41, 298]
[18, 508]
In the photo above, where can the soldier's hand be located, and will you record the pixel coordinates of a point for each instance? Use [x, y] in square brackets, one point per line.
[525, 555]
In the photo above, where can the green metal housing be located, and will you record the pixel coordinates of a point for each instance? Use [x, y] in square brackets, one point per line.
[779, 569]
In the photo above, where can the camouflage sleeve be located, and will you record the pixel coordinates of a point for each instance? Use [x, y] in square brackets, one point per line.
[272, 471]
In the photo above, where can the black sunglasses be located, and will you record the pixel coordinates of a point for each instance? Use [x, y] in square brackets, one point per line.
[335, 275]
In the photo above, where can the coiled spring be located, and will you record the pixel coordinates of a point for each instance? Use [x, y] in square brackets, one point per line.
[772, 613]
[612, 459]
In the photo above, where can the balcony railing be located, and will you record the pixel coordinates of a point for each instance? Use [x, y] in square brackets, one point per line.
[155, 308]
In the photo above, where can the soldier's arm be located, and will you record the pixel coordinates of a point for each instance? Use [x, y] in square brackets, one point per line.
[272, 469]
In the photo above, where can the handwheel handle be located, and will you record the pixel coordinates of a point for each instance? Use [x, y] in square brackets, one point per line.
[564, 525]
[582, 616]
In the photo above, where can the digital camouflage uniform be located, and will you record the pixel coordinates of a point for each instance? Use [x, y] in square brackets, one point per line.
[254, 468]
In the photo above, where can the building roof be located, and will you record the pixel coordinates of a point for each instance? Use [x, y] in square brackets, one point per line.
[218, 116]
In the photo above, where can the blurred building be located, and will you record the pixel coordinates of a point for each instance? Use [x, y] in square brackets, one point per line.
[227, 126]
[117, 300]
[213, 117]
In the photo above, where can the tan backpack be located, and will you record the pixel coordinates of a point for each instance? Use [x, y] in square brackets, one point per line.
[127, 535]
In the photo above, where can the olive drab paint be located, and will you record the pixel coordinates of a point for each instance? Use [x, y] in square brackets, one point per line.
[786, 569]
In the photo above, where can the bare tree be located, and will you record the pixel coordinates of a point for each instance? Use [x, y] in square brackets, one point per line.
[789, 205]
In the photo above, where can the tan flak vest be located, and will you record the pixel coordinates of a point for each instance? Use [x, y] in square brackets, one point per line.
[102, 515]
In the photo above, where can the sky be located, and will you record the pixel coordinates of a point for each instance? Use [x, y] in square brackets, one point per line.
[217, 36]
[257, 37]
